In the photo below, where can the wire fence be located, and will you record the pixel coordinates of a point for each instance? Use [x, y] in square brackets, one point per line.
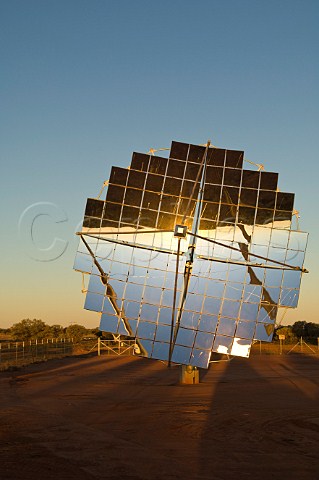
[21, 353]
[285, 348]
[15, 354]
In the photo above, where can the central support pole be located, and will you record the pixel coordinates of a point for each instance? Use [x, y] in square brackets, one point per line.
[180, 232]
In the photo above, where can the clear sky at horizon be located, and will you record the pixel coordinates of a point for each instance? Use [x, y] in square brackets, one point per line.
[84, 83]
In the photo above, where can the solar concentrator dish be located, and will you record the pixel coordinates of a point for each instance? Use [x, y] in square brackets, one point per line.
[191, 254]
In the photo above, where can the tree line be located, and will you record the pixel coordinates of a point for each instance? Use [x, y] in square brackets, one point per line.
[35, 329]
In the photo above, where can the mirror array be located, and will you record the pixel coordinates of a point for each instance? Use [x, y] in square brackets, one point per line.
[247, 260]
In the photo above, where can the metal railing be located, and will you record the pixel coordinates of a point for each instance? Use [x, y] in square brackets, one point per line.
[114, 347]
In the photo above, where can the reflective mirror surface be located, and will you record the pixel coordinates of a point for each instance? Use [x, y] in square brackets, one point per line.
[230, 280]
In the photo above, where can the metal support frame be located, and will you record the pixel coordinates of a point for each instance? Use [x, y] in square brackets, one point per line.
[301, 343]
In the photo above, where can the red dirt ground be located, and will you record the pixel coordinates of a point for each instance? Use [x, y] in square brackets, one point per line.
[128, 418]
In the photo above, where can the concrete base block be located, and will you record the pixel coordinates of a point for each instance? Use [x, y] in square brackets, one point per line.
[189, 375]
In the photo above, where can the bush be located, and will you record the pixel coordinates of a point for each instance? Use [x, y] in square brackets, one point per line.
[77, 332]
[28, 329]
[287, 331]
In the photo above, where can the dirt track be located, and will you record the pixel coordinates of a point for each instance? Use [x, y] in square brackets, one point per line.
[128, 418]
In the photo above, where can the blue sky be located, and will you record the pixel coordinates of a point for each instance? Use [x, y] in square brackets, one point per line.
[84, 83]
